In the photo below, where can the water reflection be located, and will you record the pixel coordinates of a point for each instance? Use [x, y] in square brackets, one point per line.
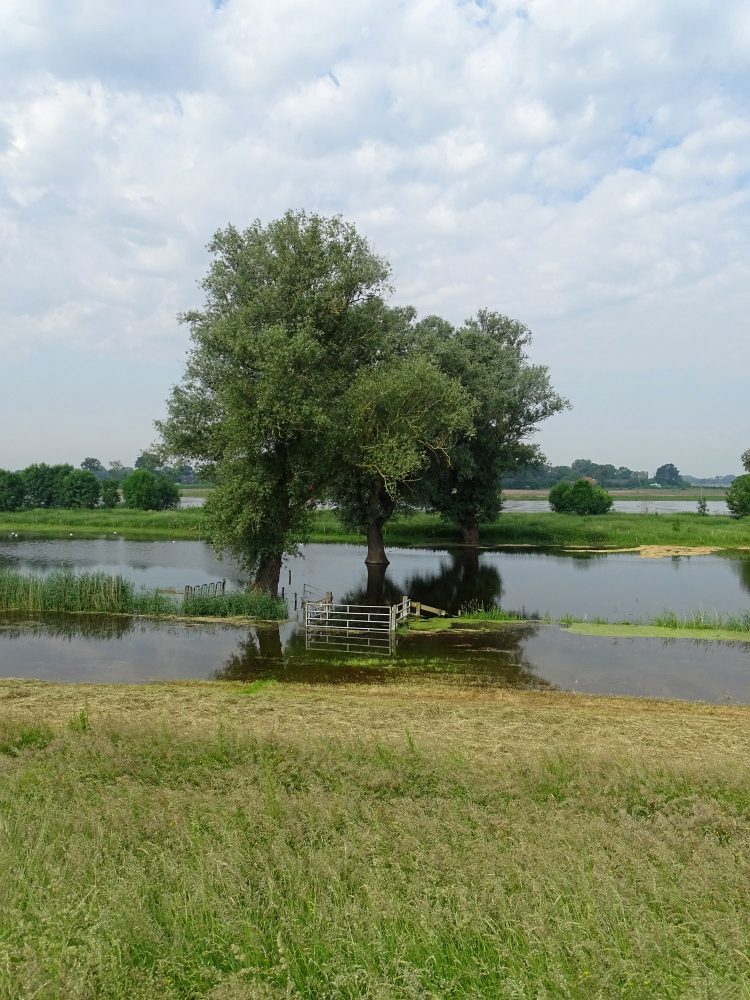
[91, 628]
[477, 655]
[743, 571]
[528, 655]
[465, 581]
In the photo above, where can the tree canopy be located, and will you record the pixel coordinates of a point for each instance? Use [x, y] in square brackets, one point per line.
[302, 385]
[738, 497]
[487, 357]
[291, 312]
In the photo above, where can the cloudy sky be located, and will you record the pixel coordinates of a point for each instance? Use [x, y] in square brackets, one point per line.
[580, 166]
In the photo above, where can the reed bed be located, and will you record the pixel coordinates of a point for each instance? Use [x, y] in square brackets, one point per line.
[80, 593]
[240, 604]
[99, 593]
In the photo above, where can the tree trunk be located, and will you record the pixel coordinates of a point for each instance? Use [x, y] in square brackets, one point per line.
[375, 543]
[469, 531]
[267, 577]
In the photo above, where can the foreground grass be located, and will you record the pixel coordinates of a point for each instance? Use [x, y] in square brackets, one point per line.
[260, 841]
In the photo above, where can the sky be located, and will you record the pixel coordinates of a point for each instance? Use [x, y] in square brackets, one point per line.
[582, 167]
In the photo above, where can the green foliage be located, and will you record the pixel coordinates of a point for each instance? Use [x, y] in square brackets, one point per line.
[78, 488]
[738, 497]
[148, 460]
[669, 475]
[537, 477]
[401, 415]
[745, 459]
[582, 497]
[12, 490]
[144, 490]
[93, 465]
[703, 507]
[43, 484]
[110, 494]
[240, 604]
[291, 310]
[511, 396]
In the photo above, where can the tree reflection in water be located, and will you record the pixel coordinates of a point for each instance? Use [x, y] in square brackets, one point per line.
[466, 581]
[90, 627]
[743, 571]
[477, 655]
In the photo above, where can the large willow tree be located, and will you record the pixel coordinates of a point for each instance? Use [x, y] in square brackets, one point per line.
[292, 311]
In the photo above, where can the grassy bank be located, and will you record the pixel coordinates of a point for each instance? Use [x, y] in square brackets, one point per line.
[564, 530]
[551, 530]
[267, 840]
[100, 593]
[698, 625]
[136, 524]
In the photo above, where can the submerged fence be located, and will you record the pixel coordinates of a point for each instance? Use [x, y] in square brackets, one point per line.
[206, 590]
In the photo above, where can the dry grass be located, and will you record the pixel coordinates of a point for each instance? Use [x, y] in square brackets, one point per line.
[266, 840]
[487, 722]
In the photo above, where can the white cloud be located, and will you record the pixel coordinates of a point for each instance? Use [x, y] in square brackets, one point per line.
[582, 166]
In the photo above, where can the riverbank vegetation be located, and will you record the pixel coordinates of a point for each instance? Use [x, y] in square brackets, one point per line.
[269, 840]
[609, 531]
[100, 593]
[697, 625]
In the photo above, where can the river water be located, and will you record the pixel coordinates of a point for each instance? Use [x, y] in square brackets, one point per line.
[615, 586]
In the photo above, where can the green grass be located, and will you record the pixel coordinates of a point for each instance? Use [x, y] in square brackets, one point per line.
[668, 624]
[544, 530]
[238, 604]
[698, 625]
[100, 593]
[633, 631]
[145, 524]
[608, 531]
[187, 841]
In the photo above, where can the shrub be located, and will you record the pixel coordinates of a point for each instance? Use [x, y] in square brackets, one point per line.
[110, 493]
[12, 490]
[78, 488]
[144, 490]
[738, 497]
[582, 497]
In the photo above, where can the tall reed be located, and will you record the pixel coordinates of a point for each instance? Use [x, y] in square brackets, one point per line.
[93, 593]
[246, 604]
[99, 593]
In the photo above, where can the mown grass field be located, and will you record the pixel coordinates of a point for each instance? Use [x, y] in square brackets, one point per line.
[551, 530]
[268, 840]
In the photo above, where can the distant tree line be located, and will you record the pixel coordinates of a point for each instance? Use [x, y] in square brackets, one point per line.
[539, 477]
[148, 460]
[42, 486]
